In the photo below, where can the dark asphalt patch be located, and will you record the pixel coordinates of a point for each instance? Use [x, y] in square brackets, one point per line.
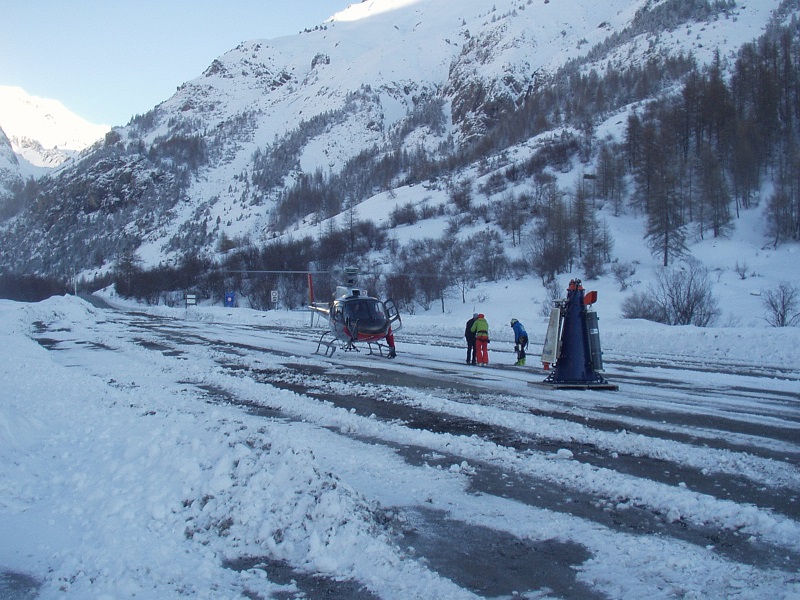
[494, 563]
[309, 585]
[18, 586]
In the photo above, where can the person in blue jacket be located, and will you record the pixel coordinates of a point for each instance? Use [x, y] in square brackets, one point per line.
[520, 341]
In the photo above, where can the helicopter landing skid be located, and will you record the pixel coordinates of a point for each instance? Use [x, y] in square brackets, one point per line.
[378, 345]
[349, 346]
[330, 345]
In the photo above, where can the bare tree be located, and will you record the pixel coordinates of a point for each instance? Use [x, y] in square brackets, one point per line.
[611, 175]
[456, 263]
[656, 192]
[551, 244]
[640, 305]
[554, 292]
[582, 215]
[685, 295]
[488, 258]
[782, 305]
[779, 215]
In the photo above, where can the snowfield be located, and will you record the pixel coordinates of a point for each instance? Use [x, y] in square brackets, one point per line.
[171, 453]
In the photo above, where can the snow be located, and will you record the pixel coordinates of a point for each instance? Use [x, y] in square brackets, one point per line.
[124, 472]
[120, 479]
[102, 487]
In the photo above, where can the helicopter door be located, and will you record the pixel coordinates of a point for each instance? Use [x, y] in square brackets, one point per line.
[394, 315]
[336, 313]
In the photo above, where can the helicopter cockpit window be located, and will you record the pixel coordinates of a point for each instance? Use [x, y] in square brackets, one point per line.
[365, 310]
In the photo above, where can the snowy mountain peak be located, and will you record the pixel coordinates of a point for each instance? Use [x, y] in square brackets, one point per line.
[363, 10]
[43, 131]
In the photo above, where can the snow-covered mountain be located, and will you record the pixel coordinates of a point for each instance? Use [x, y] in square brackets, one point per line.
[276, 136]
[42, 131]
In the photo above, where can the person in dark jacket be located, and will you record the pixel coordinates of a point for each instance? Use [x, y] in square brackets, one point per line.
[481, 330]
[470, 337]
[520, 341]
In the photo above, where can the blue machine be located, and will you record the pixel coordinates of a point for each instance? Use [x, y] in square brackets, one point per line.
[572, 343]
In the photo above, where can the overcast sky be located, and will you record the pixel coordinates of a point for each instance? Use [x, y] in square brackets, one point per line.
[107, 60]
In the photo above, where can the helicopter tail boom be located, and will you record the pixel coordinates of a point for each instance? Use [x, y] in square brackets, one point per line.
[322, 308]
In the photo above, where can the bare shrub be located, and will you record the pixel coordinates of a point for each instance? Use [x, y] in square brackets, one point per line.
[461, 195]
[623, 272]
[741, 270]
[680, 296]
[640, 305]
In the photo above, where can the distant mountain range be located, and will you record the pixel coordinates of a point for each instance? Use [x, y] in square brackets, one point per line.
[37, 135]
[279, 136]
[43, 131]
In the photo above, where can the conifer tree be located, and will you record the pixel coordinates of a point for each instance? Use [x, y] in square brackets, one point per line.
[666, 235]
[714, 195]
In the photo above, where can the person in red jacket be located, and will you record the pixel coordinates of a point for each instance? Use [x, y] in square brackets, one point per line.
[481, 330]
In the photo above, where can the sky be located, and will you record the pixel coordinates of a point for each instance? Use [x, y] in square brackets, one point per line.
[108, 60]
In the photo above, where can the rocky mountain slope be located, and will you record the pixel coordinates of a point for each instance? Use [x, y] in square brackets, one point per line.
[277, 136]
[9, 167]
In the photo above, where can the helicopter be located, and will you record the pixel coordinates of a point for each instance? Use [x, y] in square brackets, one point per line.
[354, 316]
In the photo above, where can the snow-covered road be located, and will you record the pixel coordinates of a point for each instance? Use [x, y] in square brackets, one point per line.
[216, 440]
